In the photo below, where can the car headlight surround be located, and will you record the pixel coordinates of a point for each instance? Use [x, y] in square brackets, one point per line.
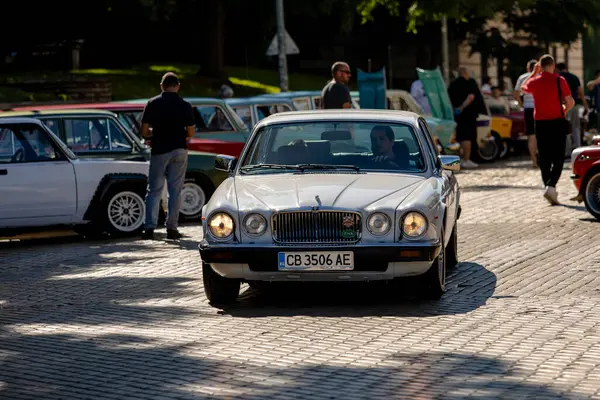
[414, 225]
[379, 224]
[221, 225]
[255, 224]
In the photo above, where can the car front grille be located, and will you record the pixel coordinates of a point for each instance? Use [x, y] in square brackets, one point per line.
[316, 226]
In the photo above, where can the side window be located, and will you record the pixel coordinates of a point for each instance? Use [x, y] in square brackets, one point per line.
[26, 143]
[53, 125]
[302, 103]
[127, 120]
[433, 153]
[318, 104]
[87, 134]
[211, 119]
[244, 113]
[8, 145]
[118, 138]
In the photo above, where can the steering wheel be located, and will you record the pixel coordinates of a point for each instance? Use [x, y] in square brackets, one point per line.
[19, 156]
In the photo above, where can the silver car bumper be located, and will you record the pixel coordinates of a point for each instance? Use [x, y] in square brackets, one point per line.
[372, 262]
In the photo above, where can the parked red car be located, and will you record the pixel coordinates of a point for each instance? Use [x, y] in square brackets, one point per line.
[586, 177]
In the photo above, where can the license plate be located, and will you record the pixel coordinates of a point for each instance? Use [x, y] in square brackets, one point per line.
[317, 261]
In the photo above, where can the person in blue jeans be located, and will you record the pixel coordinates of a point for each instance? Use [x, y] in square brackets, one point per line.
[172, 122]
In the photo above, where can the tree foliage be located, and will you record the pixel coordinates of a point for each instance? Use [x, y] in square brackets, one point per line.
[547, 21]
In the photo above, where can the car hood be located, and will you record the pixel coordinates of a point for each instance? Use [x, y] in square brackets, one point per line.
[355, 191]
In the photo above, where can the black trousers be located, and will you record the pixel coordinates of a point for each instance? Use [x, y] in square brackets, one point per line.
[551, 136]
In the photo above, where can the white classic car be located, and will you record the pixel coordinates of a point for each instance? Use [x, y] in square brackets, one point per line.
[43, 184]
[332, 195]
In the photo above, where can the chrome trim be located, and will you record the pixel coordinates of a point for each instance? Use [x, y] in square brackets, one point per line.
[310, 231]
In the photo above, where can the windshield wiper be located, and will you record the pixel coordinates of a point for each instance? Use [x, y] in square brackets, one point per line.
[267, 166]
[302, 167]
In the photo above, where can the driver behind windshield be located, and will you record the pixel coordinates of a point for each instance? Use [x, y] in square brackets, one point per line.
[382, 144]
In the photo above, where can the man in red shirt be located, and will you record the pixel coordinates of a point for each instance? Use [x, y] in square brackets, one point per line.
[550, 91]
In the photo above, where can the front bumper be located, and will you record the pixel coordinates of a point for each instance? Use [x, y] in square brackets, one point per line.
[371, 262]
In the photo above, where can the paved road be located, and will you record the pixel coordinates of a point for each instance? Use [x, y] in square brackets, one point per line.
[129, 320]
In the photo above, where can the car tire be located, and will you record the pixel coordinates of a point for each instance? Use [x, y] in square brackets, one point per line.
[123, 210]
[489, 152]
[591, 196]
[452, 250]
[502, 146]
[219, 290]
[194, 195]
[434, 280]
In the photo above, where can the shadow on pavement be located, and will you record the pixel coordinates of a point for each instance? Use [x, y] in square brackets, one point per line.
[40, 287]
[486, 188]
[57, 366]
[469, 286]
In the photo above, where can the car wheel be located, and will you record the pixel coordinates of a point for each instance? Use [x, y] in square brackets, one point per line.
[502, 145]
[219, 290]
[592, 195]
[193, 198]
[489, 151]
[434, 280]
[124, 211]
[452, 250]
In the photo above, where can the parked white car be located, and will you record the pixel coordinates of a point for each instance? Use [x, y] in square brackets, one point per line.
[44, 184]
[332, 195]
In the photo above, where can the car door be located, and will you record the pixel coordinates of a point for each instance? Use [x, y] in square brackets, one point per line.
[37, 180]
[449, 182]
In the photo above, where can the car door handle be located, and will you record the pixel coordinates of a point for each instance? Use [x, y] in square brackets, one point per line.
[3, 172]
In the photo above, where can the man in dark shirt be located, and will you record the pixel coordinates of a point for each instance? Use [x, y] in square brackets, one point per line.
[336, 93]
[172, 122]
[579, 97]
[468, 103]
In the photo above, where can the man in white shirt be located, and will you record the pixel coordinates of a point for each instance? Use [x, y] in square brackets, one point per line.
[528, 104]
[418, 92]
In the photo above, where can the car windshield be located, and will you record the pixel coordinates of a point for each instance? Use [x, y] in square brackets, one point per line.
[348, 146]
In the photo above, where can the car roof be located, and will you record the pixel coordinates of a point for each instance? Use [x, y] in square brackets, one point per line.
[300, 93]
[77, 106]
[241, 101]
[350, 115]
[20, 120]
[192, 100]
[67, 112]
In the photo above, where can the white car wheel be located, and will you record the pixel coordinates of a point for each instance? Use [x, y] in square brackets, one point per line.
[193, 199]
[126, 212]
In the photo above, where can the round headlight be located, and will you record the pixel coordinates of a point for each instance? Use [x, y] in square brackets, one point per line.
[255, 224]
[414, 225]
[378, 224]
[221, 225]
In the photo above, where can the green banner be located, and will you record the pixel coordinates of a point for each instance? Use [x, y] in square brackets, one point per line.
[437, 93]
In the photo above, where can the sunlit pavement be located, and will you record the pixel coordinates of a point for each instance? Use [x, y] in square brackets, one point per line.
[110, 319]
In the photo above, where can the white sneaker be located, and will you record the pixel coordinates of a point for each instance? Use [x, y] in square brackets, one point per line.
[468, 164]
[551, 195]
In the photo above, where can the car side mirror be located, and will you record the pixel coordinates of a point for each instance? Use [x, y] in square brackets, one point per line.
[450, 163]
[225, 163]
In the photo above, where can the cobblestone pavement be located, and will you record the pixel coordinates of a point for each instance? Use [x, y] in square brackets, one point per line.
[111, 319]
